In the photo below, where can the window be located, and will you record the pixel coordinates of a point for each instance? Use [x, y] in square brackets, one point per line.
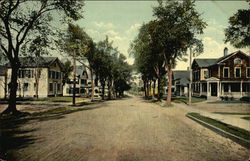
[237, 71]
[59, 87]
[235, 87]
[51, 87]
[25, 86]
[53, 74]
[248, 72]
[82, 90]
[226, 88]
[246, 87]
[57, 75]
[26, 74]
[205, 74]
[226, 72]
[83, 81]
[237, 61]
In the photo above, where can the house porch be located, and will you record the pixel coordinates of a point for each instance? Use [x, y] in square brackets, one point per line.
[216, 88]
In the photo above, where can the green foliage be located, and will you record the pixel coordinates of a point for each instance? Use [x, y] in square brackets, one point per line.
[178, 25]
[67, 69]
[75, 41]
[27, 25]
[237, 33]
[110, 66]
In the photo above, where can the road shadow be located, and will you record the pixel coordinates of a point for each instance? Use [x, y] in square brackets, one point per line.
[14, 137]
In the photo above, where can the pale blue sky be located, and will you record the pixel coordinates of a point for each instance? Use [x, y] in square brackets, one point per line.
[120, 20]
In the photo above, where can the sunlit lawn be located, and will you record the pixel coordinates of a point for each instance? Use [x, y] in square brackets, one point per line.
[186, 99]
[60, 99]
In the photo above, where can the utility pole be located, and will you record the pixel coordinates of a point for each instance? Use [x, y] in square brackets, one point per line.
[191, 78]
[74, 78]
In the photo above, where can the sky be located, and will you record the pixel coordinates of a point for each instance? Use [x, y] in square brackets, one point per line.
[120, 20]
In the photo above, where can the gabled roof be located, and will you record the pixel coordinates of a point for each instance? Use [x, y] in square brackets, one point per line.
[182, 75]
[80, 69]
[229, 55]
[32, 62]
[205, 62]
[209, 62]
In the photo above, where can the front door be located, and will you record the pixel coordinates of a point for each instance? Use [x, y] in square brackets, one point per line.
[214, 89]
[55, 88]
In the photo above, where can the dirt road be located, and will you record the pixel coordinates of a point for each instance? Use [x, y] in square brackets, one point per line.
[125, 130]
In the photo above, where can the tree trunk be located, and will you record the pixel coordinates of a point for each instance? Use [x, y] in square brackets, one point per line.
[37, 77]
[159, 89]
[5, 84]
[92, 85]
[168, 101]
[149, 88]
[154, 88]
[13, 89]
[145, 89]
[109, 89]
[103, 90]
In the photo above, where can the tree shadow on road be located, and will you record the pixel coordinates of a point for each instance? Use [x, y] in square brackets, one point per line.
[14, 137]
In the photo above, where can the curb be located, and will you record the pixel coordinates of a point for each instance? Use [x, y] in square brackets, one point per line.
[237, 139]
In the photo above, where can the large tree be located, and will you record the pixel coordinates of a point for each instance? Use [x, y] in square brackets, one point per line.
[103, 62]
[77, 44]
[148, 59]
[21, 21]
[178, 23]
[237, 33]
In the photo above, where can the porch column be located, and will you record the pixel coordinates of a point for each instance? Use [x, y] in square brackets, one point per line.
[201, 89]
[241, 94]
[218, 89]
[208, 89]
[222, 89]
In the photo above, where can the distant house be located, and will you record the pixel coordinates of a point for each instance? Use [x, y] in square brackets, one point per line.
[226, 77]
[180, 82]
[50, 77]
[82, 83]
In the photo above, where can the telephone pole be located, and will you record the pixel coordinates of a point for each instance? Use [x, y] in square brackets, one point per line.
[191, 79]
[74, 78]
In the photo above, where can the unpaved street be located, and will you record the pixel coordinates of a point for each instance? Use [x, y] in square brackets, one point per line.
[125, 130]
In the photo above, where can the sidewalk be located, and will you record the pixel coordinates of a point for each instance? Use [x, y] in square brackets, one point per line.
[238, 122]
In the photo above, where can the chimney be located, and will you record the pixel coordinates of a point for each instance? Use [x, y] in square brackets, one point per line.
[225, 51]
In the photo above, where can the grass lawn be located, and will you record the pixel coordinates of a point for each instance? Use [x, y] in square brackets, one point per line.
[228, 102]
[231, 113]
[246, 118]
[60, 99]
[185, 99]
[228, 128]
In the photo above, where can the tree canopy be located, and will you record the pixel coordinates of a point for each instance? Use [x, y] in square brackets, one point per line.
[23, 25]
[166, 39]
[237, 33]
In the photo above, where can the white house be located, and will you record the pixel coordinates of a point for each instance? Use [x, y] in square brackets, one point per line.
[49, 77]
[83, 83]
